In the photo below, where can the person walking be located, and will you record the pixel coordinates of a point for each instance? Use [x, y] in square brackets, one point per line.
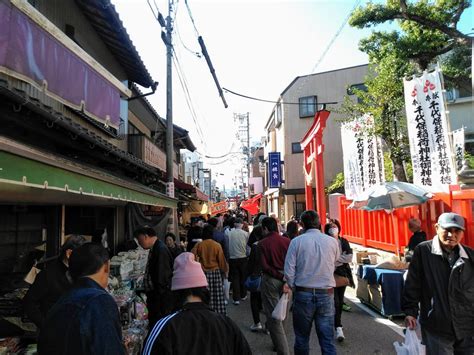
[309, 272]
[86, 320]
[195, 329]
[219, 236]
[273, 248]
[158, 273]
[51, 283]
[255, 271]
[209, 253]
[333, 229]
[440, 289]
[238, 261]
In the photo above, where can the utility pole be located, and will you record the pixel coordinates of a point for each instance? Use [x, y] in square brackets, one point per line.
[169, 103]
[248, 155]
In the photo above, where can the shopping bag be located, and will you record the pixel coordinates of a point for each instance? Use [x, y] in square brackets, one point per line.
[411, 346]
[279, 313]
[226, 289]
[252, 283]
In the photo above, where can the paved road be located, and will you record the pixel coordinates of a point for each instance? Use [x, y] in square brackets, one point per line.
[366, 333]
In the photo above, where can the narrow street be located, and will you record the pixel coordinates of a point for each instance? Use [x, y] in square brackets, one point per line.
[365, 334]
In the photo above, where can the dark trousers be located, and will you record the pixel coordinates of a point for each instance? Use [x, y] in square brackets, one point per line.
[256, 306]
[338, 302]
[238, 271]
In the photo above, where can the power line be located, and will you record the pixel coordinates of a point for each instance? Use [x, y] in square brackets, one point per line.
[188, 98]
[273, 102]
[196, 53]
[192, 18]
[321, 58]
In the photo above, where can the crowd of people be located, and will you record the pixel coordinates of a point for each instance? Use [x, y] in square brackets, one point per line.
[186, 283]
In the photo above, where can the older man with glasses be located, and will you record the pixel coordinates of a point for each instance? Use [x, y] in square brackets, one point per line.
[440, 288]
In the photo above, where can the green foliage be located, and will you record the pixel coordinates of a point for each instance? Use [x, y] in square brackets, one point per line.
[469, 160]
[337, 184]
[388, 167]
[427, 32]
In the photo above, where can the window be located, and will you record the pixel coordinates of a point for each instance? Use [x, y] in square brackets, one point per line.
[351, 90]
[361, 87]
[296, 148]
[278, 115]
[308, 106]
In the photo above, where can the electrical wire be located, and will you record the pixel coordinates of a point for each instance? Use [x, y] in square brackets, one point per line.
[273, 102]
[188, 98]
[195, 53]
[192, 18]
[326, 50]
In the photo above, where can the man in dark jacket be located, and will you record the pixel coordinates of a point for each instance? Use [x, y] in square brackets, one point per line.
[85, 320]
[441, 280]
[195, 329]
[157, 280]
[51, 283]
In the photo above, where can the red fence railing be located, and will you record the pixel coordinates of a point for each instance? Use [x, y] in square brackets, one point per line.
[389, 231]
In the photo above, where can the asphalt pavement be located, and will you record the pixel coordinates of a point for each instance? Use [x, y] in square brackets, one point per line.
[366, 331]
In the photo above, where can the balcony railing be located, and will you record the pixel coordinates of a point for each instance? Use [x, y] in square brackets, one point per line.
[34, 50]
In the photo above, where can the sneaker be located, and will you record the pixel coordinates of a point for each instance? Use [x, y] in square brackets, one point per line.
[256, 327]
[346, 307]
[236, 303]
[340, 334]
[244, 299]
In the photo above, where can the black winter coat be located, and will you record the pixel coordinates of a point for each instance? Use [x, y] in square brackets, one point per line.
[50, 284]
[196, 330]
[446, 295]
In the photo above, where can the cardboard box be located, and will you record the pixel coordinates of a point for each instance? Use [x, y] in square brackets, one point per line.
[366, 254]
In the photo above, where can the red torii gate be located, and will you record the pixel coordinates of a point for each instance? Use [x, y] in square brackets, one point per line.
[313, 148]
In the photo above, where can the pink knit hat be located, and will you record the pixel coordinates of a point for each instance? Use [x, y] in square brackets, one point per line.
[187, 273]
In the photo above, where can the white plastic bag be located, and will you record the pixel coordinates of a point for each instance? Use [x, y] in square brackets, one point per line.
[279, 313]
[411, 346]
[226, 289]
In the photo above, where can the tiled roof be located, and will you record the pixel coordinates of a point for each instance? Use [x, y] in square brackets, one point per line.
[104, 18]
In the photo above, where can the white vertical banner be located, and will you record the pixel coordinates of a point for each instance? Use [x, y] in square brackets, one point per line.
[363, 157]
[458, 145]
[430, 148]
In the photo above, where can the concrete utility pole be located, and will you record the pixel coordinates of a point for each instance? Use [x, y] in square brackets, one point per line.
[169, 103]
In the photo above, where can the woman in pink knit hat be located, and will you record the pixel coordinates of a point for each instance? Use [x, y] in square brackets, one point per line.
[207, 332]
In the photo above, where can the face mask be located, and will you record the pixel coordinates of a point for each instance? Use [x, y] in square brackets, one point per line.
[333, 232]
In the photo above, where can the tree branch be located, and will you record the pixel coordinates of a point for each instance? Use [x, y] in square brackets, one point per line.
[460, 37]
[463, 6]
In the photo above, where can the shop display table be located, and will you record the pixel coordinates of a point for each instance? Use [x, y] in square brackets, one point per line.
[381, 288]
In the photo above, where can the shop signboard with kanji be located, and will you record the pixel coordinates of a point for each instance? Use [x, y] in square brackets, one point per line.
[274, 169]
[218, 207]
[430, 147]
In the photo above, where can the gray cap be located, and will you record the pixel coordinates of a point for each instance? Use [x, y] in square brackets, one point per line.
[451, 220]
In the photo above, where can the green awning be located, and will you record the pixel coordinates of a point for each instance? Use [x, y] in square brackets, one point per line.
[26, 172]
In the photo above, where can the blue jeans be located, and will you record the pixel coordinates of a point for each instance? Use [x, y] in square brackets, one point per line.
[308, 306]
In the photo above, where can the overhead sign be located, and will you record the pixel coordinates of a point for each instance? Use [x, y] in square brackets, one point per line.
[218, 207]
[430, 148]
[274, 169]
